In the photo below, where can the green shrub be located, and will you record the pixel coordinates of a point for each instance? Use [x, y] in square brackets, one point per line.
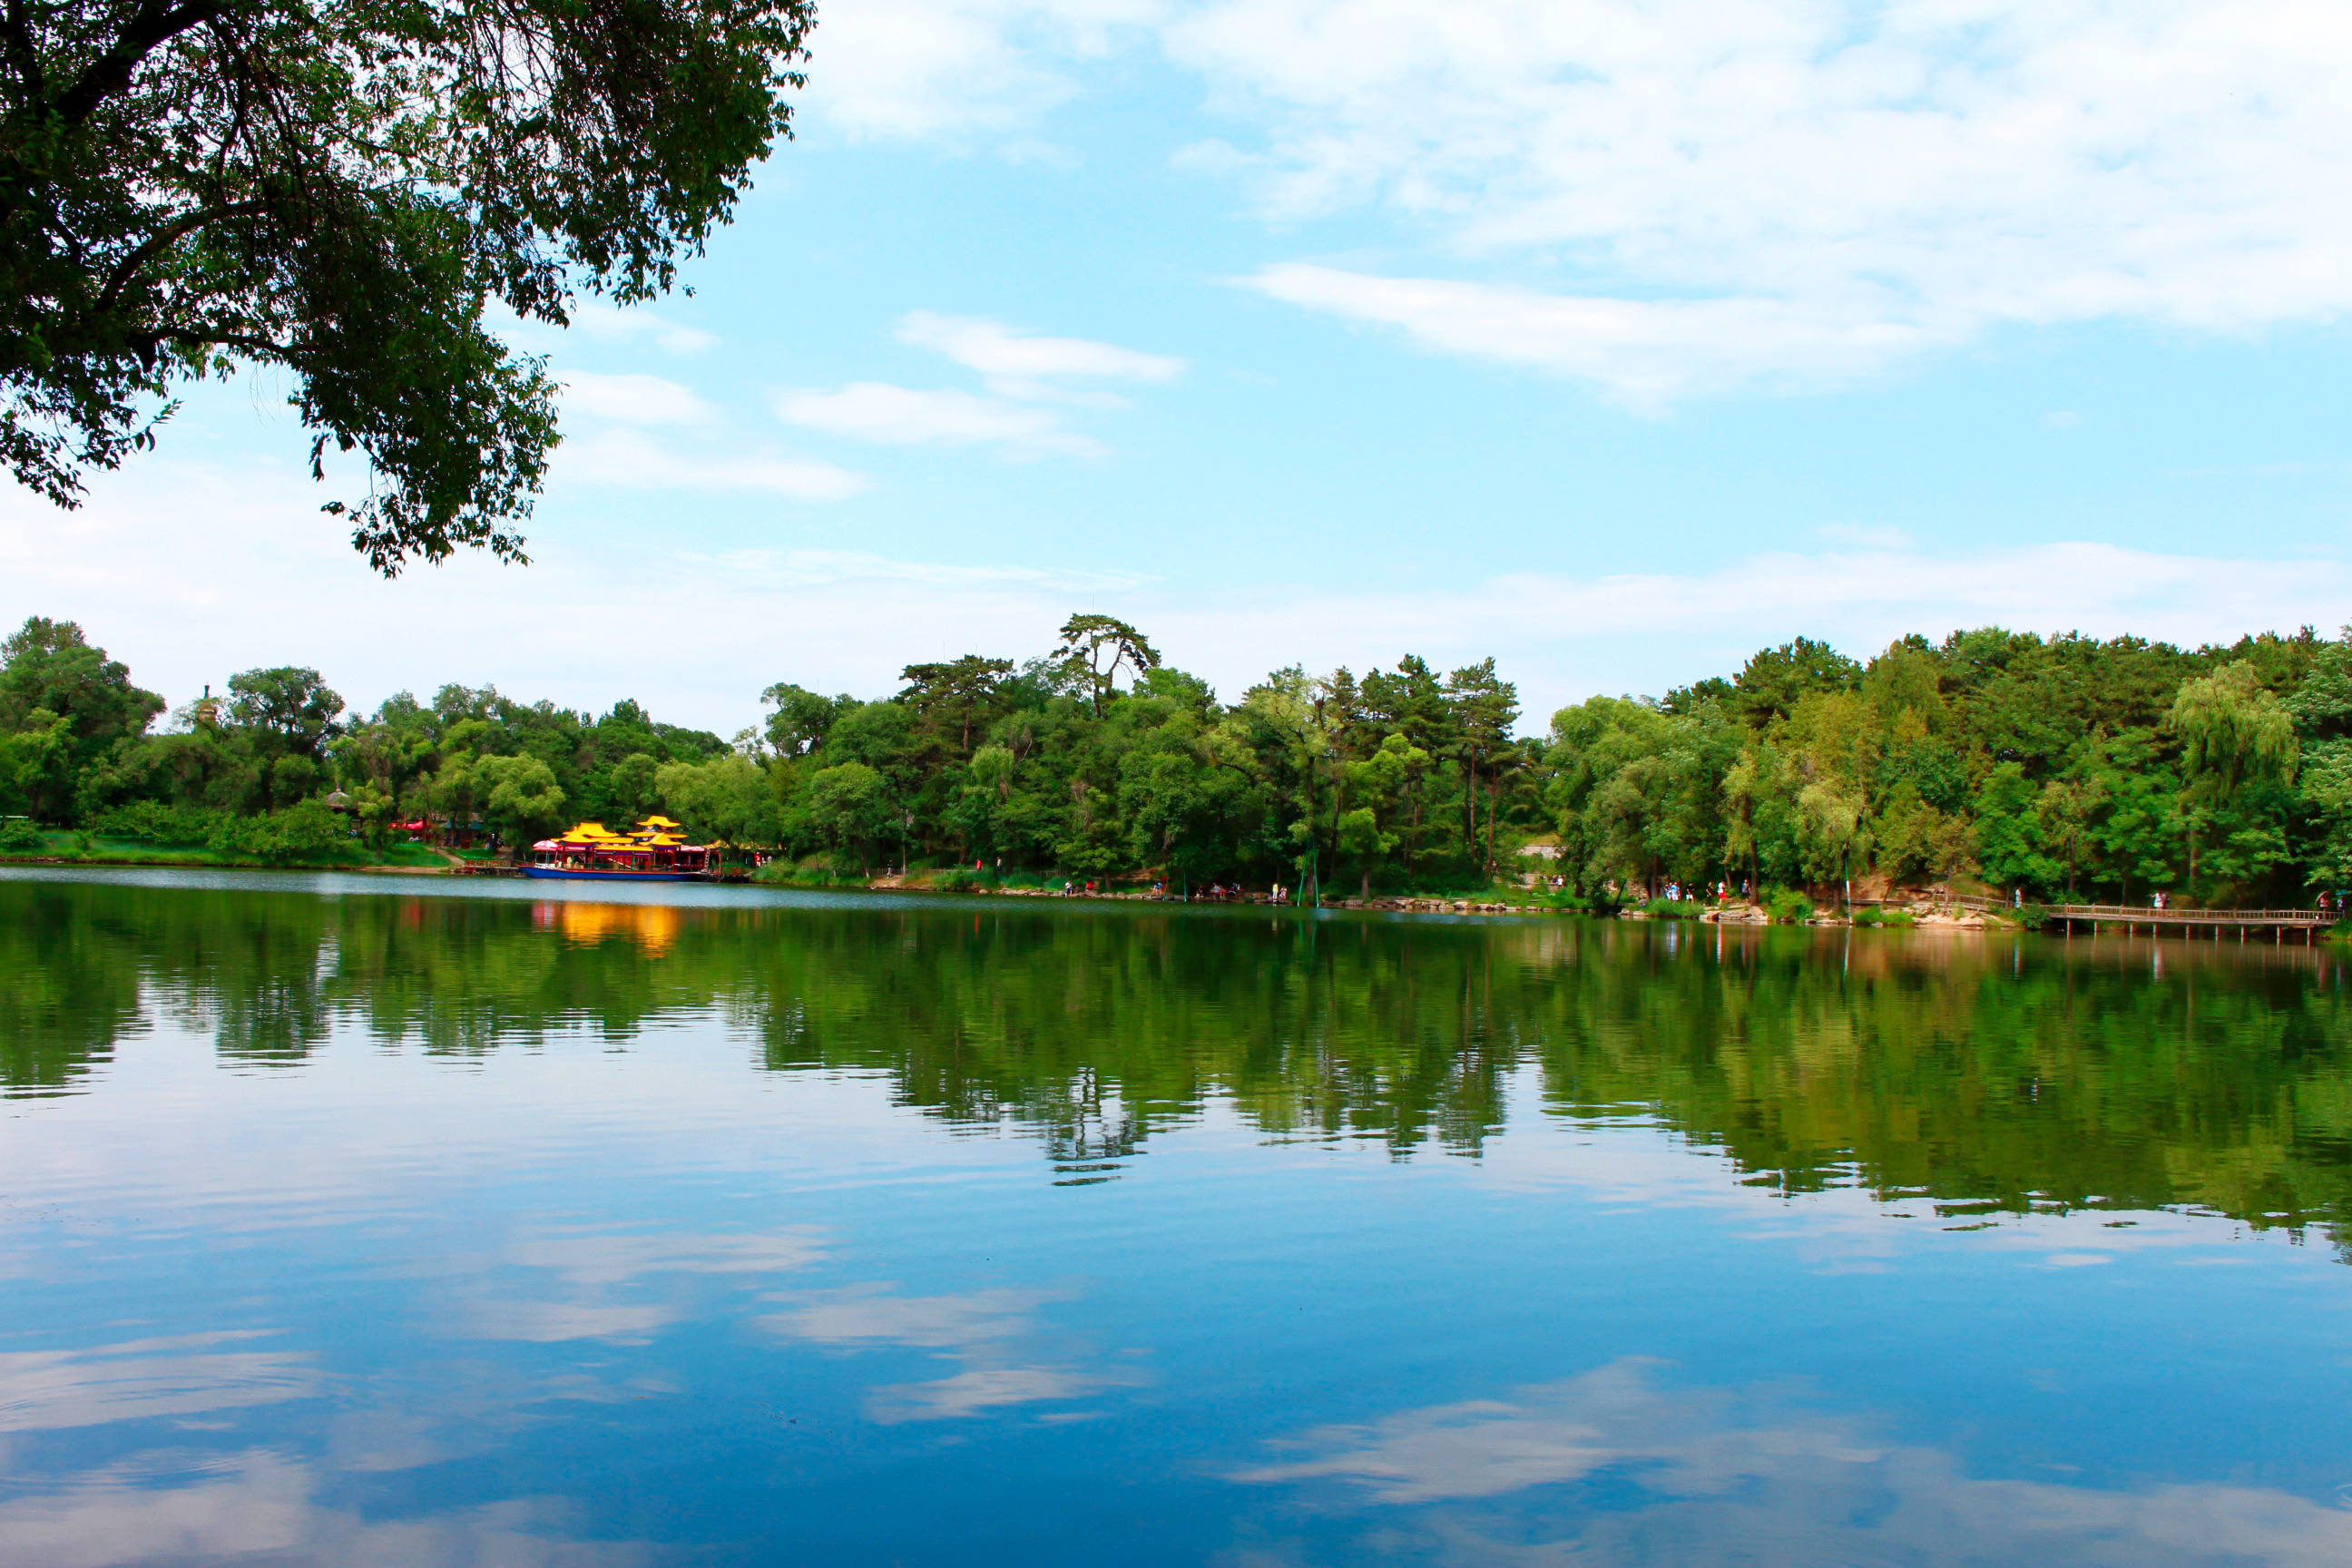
[810, 871]
[1788, 907]
[19, 837]
[153, 822]
[306, 831]
[1673, 909]
[1869, 915]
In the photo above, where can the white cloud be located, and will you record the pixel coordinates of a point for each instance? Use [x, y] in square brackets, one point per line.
[949, 68]
[627, 457]
[1021, 370]
[1866, 536]
[1922, 169]
[1647, 352]
[1005, 353]
[2101, 588]
[1566, 637]
[905, 416]
[633, 399]
[810, 567]
[595, 319]
[1694, 196]
[714, 627]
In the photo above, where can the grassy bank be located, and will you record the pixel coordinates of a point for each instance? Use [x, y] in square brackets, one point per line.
[820, 871]
[75, 848]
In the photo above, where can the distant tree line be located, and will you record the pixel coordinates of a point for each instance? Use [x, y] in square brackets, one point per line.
[2058, 765]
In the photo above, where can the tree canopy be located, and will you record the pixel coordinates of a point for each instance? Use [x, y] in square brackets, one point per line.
[340, 189]
[2054, 765]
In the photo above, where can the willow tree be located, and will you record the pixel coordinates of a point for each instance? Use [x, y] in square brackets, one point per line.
[2322, 709]
[2234, 734]
[341, 190]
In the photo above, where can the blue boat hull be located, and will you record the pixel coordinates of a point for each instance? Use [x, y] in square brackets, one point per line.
[551, 874]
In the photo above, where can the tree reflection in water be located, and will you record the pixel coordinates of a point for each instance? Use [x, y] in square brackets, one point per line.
[1990, 1075]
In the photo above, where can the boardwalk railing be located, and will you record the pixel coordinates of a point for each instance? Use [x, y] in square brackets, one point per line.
[2141, 915]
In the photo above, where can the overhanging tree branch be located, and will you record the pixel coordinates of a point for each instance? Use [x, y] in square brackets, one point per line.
[150, 26]
[24, 58]
[157, 242]
[344, 187]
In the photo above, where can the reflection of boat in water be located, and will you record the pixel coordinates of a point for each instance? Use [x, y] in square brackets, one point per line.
[656, 852]
[652, 927]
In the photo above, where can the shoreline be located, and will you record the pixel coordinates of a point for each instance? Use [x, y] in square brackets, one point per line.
[1732, 917]
[179, 863]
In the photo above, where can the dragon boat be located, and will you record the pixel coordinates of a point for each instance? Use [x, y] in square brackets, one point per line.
[590, 852]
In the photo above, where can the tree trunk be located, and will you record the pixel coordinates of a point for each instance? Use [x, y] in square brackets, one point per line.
[1492, 791]
[1470, 801]
[1338, 803]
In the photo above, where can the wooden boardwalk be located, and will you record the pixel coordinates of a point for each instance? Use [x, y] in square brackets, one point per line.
[2134, 917]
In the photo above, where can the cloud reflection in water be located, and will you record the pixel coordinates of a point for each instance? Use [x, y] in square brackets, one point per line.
[984, 1331]
[1707, 1476]
[264, 1507]
[586, 1284]
[180, 1502]
[43, 1391]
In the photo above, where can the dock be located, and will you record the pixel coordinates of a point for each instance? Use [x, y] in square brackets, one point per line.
[2134, 917]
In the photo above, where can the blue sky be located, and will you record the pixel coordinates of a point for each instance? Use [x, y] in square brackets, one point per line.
[1614, 340]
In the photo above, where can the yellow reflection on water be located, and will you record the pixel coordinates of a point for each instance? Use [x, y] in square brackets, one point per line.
[652, 927]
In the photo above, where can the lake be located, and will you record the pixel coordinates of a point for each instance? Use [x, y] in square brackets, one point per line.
[363, 1220]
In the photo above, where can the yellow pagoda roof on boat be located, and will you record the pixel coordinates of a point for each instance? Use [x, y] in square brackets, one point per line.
[653, 833]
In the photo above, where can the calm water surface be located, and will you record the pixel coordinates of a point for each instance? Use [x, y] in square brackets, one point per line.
[350, 1221]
